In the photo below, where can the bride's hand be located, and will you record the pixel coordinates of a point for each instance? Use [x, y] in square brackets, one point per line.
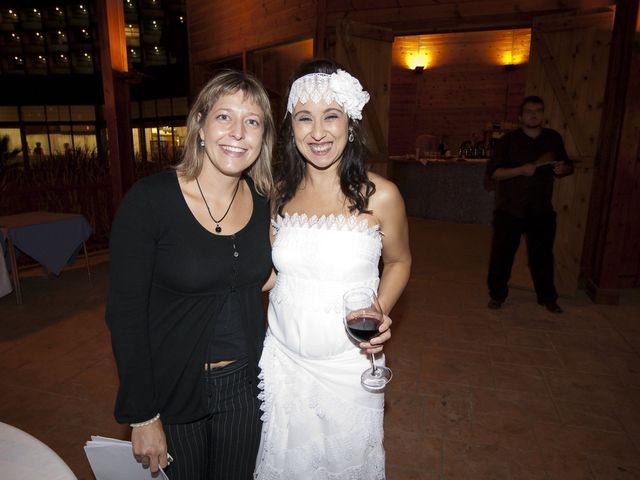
[375, 344]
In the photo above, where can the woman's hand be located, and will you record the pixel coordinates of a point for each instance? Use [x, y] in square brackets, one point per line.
[375, 345]
[150, 446]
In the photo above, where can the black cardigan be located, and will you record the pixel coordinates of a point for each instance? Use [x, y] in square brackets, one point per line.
[169, 281]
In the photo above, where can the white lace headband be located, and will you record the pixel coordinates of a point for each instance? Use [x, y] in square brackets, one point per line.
[339, 86]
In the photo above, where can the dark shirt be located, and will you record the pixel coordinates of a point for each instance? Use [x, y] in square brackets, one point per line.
[524, 196]
[173, 287]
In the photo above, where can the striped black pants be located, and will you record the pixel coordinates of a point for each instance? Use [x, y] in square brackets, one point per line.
[224, 445]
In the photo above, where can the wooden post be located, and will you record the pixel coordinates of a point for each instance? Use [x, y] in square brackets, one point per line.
[610, 251]
[113, 60]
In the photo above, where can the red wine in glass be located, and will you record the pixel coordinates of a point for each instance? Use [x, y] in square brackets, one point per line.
[362, 319]
[363, 326]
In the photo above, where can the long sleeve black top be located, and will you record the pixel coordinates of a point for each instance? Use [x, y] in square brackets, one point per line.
[524, 196]
[170, 279]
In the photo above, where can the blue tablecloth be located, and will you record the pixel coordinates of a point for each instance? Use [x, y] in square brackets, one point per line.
[52, 239]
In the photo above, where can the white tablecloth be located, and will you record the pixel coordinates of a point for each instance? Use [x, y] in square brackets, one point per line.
[23, 457]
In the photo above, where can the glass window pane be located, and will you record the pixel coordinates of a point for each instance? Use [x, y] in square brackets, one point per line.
[179, 137]
[61, 139]
[155, 55]
[8, 114]
[149, 109]
[135, 110]
[180, 107]
[78, 14]
[9, 17]
[31, 18]
[151, 144]
[36, 64]
[132, 34]
[82, 62]
[58, 113]
[33, 114]
[13, 64]
[11, 143]
[137, 153]
[164, 107]
[165, 137]
[59, 63]
[82, 113]
[37, 141]
[84, 138]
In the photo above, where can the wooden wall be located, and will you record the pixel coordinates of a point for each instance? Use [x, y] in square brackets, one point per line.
[222, 28]
[450, 15]
[455, 99]
[464, 87]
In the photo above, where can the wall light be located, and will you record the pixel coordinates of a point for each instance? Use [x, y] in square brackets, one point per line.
[417, 59]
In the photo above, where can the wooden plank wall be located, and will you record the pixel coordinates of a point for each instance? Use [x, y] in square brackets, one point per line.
[463, 88]
[222, 28]
[568, 68]
[450, 15]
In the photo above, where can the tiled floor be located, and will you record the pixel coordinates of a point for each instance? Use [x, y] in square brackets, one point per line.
[478, 394]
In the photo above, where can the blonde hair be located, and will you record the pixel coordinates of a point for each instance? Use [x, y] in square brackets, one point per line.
[227, 83]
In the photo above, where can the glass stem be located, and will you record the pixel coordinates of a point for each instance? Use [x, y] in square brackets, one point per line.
[374, 370]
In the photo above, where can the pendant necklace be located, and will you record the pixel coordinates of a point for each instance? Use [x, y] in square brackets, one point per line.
[217, 222]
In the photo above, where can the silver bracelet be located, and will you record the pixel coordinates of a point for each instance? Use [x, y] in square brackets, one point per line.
[145, 423]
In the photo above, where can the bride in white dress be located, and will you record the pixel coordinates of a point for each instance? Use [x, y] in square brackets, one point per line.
[333, 222]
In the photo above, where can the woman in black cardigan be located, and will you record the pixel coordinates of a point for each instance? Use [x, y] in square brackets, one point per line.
[189, 256]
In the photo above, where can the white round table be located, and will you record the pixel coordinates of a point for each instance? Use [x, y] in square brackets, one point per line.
[23, 457]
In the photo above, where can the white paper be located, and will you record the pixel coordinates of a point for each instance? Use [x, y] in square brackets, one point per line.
[113, 459]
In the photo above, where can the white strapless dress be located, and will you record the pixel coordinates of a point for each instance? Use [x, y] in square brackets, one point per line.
[319, 423]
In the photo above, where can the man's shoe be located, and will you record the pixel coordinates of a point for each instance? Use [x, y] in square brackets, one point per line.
[494, 304]
[553, 307]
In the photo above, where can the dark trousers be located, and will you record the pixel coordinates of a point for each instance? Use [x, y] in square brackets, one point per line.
[539, 232]
[224, 445]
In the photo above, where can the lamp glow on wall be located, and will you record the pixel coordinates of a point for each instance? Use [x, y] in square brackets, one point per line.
[517, 49]
[510, 59]
[417, 61]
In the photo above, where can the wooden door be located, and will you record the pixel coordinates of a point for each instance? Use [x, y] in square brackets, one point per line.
[365, 50]
[568, 69]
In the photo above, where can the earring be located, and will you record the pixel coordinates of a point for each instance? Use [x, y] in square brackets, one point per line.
[351, 138]
[202, 142]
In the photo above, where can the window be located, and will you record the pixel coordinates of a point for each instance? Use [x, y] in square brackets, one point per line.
[132, 34]
[37, 141]
[33, 114]
[83, 113]
[58, 113]
[61, 139]
[84, 137]
[11, 145]
[9, 114]
[36, 64]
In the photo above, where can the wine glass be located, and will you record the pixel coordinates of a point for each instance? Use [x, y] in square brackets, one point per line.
[362, 318]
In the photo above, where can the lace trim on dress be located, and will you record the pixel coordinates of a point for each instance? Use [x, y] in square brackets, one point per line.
[365, 425]
[329, 222]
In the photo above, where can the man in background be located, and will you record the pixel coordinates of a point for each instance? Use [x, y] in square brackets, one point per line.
[524, 166]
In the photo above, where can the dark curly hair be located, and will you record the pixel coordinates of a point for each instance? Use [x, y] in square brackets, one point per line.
[290, 165]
